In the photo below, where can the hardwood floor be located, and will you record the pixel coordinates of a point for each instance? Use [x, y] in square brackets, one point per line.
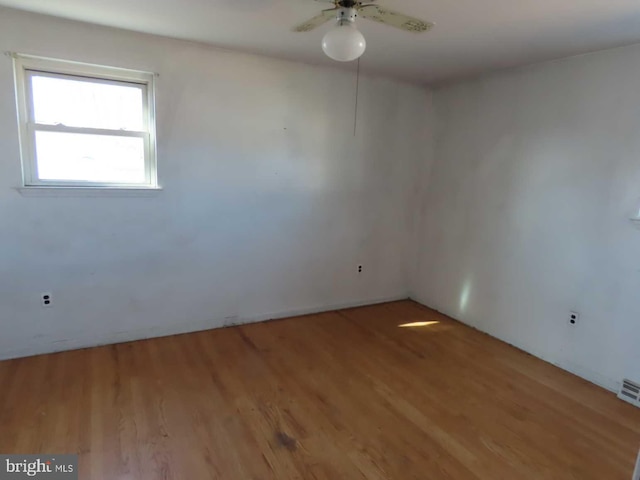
[339, 395]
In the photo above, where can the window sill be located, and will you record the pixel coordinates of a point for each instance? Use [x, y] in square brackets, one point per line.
[47, 191]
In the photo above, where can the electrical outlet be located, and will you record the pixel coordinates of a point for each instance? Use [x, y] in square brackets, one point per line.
[573, 318]
[47, 300]
[359, 268]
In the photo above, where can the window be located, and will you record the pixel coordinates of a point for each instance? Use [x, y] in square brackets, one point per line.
[85, 125]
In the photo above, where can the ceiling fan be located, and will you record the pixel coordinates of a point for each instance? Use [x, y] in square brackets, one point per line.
[344, 42]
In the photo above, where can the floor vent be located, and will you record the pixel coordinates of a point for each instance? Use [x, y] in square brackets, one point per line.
[630, 392]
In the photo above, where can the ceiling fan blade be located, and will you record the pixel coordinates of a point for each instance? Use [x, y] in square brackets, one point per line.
[316, 21]
[395, 19]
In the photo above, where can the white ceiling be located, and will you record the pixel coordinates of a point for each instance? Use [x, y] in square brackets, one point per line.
[471, 36]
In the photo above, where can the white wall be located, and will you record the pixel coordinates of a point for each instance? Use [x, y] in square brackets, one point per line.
[522, 201]
[536, 173]
[269, 202]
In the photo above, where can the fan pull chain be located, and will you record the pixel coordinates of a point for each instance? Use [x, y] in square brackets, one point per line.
[355, 113]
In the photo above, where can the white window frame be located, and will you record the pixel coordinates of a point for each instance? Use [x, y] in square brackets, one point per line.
[25, 66]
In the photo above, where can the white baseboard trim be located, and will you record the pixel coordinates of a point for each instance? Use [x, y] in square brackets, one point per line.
[111, 338]
[584, 373]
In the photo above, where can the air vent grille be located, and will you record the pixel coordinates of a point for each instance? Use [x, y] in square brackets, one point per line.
[630, 392]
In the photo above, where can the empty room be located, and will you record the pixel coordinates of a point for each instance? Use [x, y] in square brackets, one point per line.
[320, 239]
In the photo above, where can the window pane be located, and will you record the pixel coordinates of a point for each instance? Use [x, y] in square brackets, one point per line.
[91, 158]
[77, 103]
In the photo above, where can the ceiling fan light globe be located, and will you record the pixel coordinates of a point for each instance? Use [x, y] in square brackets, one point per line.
[344, 43]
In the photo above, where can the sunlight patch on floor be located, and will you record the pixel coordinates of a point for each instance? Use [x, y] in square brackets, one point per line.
[417, 324]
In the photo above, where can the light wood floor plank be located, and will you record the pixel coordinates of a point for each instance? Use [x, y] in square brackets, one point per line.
[346, 394]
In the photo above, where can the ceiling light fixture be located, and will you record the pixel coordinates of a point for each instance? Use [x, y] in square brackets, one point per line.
[344, 42]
